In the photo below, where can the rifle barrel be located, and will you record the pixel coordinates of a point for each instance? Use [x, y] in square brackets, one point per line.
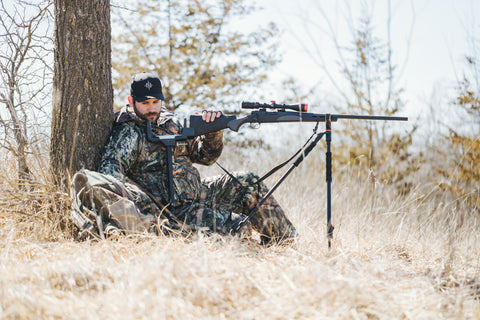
[290, 116]
[365, 117]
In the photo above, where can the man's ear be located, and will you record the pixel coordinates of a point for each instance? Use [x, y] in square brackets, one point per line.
[130, 101]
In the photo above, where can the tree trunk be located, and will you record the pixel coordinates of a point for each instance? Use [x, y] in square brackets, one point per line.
[82, 87]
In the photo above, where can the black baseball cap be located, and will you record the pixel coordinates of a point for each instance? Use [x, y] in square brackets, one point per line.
[146, 85]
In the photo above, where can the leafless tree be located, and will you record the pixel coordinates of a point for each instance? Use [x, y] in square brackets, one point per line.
[364, 77]
[25, 84]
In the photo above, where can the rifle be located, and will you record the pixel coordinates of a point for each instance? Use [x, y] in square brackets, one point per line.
[264, 113]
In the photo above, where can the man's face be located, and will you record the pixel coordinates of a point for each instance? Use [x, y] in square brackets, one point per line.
[148, 109]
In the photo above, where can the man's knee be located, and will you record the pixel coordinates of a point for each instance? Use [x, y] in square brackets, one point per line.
[247, 177]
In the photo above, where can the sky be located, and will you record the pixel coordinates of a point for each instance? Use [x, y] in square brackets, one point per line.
[430, 59]
[429, 40]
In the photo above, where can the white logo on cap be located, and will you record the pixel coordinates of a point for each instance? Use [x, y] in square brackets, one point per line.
[148, 85]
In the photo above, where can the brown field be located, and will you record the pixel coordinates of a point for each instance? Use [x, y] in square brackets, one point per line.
[413, 257]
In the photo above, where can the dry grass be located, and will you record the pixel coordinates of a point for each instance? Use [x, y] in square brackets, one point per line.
[392, 258]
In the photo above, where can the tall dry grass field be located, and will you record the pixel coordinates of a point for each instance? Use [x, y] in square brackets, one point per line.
[415, 257]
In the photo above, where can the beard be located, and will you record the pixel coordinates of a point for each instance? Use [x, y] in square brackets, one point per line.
[151, 116]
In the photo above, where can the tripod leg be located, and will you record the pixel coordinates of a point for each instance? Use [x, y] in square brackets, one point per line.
[328, 163]
[170, 179]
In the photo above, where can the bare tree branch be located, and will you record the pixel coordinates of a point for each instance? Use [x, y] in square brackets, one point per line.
[25, 61]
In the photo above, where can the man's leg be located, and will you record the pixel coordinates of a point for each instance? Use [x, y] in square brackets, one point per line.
[240, 195]
[105, 201]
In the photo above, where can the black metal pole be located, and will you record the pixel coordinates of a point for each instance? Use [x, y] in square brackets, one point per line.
[169, 142]
[170, 179]
[328, 163]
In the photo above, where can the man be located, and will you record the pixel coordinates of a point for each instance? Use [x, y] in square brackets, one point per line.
[131, 188]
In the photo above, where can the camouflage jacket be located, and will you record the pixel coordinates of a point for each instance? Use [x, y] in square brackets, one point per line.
[128, 154]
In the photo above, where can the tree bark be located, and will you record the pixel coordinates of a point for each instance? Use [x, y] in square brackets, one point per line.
[82, 87]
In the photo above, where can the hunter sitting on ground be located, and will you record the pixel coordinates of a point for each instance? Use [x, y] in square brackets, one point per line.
[130, 189]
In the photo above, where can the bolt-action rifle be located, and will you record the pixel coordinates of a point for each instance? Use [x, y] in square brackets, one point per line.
[264, 113]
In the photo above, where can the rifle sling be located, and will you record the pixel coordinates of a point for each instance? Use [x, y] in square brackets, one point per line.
[281, 165]
[276, 168]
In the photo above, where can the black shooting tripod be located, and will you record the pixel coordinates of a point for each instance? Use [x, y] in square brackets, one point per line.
[170, 141]
[199, 127]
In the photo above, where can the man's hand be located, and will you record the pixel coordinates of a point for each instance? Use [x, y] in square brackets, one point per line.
[210, 116]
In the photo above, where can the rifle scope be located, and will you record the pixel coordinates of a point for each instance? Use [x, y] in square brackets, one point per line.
[301, 107]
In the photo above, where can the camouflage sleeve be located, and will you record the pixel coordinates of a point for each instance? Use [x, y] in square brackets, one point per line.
[120, 152]
[206, 149]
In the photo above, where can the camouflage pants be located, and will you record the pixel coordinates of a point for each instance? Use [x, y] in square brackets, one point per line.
[100, 200]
